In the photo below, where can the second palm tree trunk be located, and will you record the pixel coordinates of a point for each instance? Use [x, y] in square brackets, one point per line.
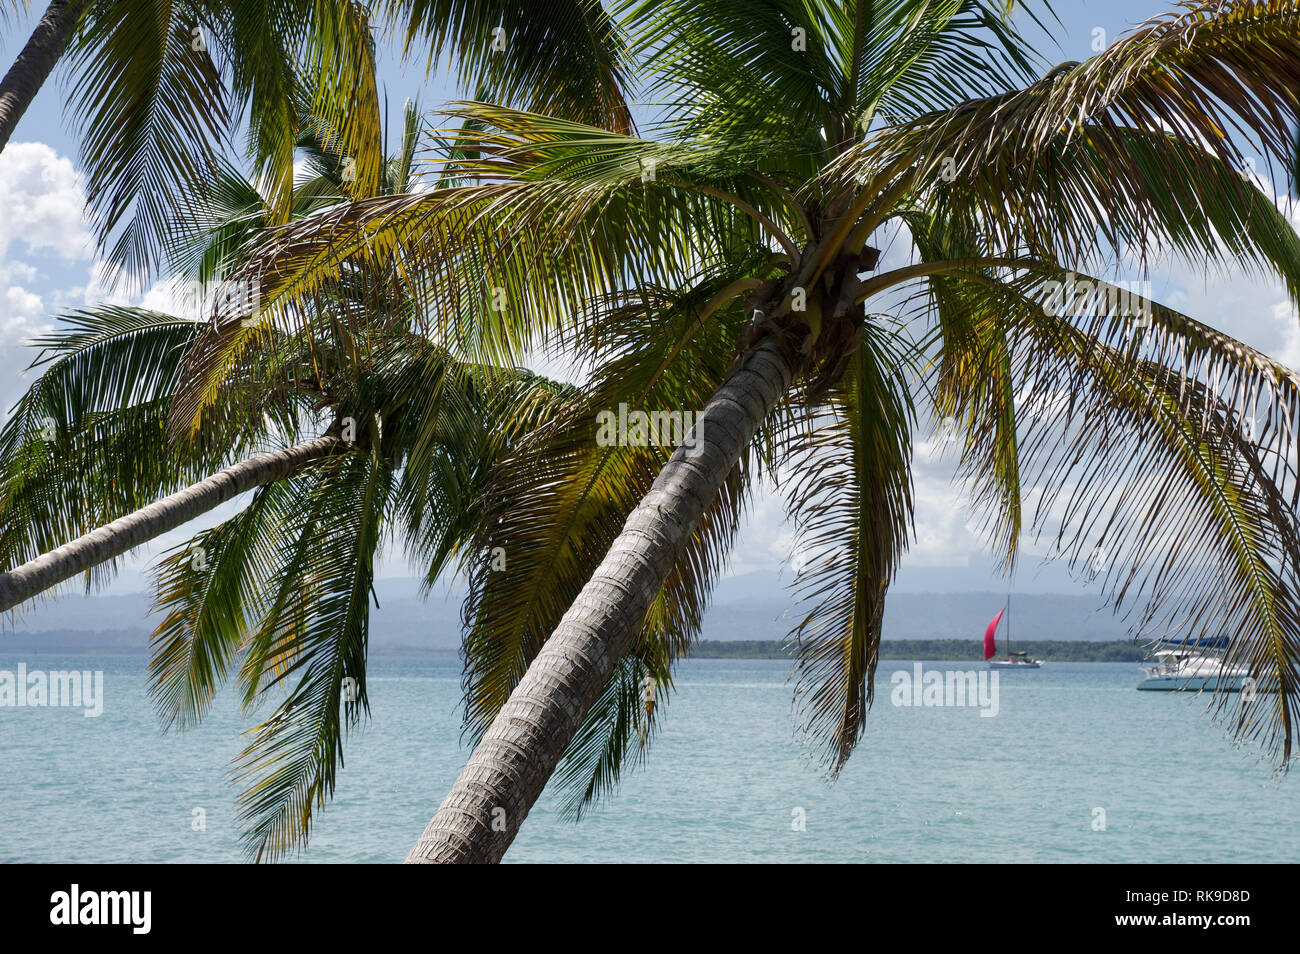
[481, 814]
[35, 61]
[126, 533]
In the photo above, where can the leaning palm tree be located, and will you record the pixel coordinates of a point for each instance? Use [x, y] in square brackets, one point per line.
[61, 434]
[145, 150]
[276, 594]
[730, 267]
[93, 444]
[141, 129]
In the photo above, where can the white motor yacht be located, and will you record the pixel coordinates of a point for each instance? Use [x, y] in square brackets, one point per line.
[1192, 667]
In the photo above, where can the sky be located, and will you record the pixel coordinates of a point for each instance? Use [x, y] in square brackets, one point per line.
[48, 265]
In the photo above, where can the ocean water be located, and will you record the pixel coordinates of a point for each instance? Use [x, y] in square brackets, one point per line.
[1073, 746]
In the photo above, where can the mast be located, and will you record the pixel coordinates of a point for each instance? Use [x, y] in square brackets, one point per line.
[1008, 625]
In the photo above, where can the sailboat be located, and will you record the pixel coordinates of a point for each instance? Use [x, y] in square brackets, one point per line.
[1019, 660]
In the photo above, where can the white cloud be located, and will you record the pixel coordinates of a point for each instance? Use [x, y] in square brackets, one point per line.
[16, 272]
[105, 285]
[1284, 314]
[175, 297]
[43, 199]
[1253, 308]
[42, 203]
[21, 313]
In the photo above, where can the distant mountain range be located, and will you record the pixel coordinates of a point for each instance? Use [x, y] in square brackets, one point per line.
[1051, 616]
[753, 607]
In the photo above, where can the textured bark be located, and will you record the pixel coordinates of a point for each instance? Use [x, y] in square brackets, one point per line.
[35, 61]
[127, 532]
[481, 814]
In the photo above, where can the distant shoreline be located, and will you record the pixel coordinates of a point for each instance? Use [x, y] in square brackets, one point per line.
[31, 644]
[936, 649]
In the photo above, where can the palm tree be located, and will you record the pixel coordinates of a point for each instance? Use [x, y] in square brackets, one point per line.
[722, 267]
[74, 469]
[104, 431]
[139, 136]
[142, 138]
[278, 593]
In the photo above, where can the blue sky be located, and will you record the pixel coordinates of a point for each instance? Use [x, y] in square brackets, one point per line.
[48, 264]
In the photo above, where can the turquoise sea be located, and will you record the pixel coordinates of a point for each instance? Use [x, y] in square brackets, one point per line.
[724, 781]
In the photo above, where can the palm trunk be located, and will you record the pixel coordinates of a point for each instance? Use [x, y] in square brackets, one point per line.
[127, 532]
[34, 63]
[481, 814]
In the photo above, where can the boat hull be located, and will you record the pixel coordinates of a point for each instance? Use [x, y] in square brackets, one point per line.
[1229, 683]
[995, 664]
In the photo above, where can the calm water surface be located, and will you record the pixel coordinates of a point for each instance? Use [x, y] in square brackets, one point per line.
[722, 783]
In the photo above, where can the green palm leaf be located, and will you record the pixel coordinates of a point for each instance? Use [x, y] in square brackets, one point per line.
[315, 631]
[851, 502]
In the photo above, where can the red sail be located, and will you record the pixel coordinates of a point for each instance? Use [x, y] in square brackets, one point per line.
[990, 647]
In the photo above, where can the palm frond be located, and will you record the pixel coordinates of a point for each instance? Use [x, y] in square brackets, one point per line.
[565, 58]
[1127, 153]
[569, 200]
[154, 111]
[1134, 428]
[813, 76]
[315, 630]
[851, 502]
[340, 67]
[87, 442]
[208, 591]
